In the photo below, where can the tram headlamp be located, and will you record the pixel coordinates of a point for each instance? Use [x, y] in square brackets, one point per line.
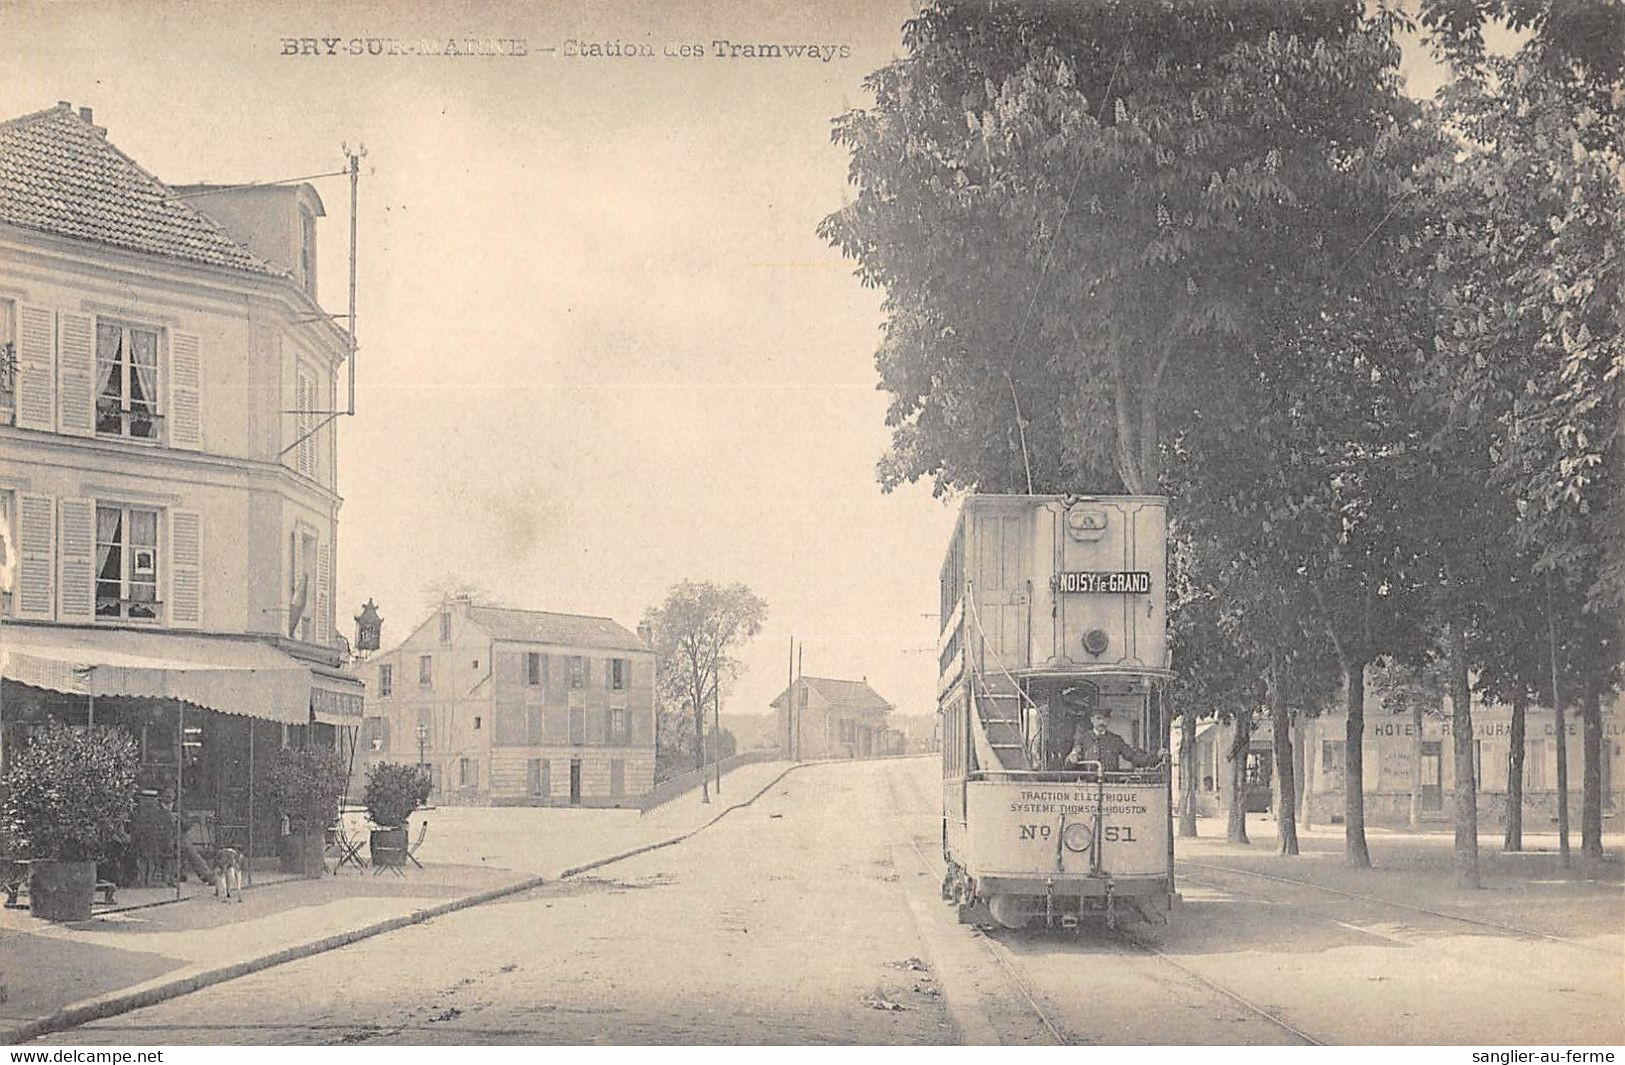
[1095, 641]
[1078, 837]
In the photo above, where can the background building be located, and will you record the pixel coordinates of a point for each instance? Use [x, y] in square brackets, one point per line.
[1397, 760]
[832, 719]
[517, 706]
[170, 484]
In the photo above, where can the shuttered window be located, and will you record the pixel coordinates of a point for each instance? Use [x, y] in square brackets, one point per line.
[9, 553]
[36, 535]
[512, 727]
[304, 402]
[126, 562]
[386, 681]
[126, 378]
[36, 368]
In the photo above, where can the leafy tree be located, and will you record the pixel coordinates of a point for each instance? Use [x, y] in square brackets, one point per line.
[1086, 215]
[1212, 674]
[1077, 210]
[1526, 270]
[69, 792]
[696, 630]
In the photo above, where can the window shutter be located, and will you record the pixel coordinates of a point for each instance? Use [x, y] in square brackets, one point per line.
[36, 370]
[76, 539]
[185, 394]
[304, 401]
[324, 594]
[185, 609]
[76, 374]
[36, 537]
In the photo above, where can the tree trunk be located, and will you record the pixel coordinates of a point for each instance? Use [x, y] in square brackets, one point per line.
[1188, 770]
[1236, 822]
[1515, 754]
[1416, 764]
[1461, 742]
[1359, 855]
[1300, 778]
[1591, 785]
[1150, 450]
[699, 747]
[1286, 814]
[1562, 734]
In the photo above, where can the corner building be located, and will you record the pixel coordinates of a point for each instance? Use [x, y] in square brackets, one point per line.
[170, 491]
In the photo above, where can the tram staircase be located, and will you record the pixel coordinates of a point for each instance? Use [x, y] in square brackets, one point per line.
[999, 743]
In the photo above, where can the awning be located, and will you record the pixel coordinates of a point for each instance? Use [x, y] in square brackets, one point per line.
[336, 699]
[232, 676]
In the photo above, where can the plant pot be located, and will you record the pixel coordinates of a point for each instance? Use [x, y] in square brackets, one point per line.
[302, 854]
[388, 846]
[61, 891]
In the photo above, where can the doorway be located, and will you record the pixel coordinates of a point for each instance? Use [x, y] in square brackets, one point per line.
[1432, 776]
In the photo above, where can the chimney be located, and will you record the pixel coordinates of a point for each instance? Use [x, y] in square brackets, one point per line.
[85, 113]
[646, 633]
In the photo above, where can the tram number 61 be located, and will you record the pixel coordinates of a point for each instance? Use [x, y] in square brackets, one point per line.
[1111, 833]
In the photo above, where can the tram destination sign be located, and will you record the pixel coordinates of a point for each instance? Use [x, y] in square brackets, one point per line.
[1110, 582]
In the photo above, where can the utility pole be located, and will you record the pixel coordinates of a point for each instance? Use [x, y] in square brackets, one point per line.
[716, 728]
[354, 160]
[799, 651]
[790, 703]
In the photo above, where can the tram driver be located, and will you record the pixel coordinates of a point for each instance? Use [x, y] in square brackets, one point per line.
[1099, 744]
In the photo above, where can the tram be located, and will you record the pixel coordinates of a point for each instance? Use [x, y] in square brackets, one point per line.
[1054, 619]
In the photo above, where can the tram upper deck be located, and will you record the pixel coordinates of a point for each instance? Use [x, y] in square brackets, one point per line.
[1057, 585]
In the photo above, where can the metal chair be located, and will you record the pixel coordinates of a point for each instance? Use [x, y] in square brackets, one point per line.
[412, 851]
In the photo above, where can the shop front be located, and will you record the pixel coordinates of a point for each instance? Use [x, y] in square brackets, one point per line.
[206, 712]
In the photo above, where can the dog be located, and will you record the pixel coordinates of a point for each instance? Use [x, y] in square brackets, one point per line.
[228, 873]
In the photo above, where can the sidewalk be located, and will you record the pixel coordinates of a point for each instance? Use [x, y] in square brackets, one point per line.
[1528, 890]
[150, 947]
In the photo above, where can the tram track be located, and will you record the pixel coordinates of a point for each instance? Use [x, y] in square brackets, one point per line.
[1240, 1000]
[1479, 922]
[1031, 997]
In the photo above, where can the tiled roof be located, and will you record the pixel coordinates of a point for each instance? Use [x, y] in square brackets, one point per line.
[539, 626]
[850, 696]
[59, 174]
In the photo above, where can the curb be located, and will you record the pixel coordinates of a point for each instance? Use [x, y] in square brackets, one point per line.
[115, 1003]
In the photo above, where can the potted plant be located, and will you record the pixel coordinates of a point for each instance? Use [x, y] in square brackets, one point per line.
[68, 797]
[306, 784]
[393, 791]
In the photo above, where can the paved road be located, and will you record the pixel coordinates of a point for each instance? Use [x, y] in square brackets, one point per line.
[813, 917]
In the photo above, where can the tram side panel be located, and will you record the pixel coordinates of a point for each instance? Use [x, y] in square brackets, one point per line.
[1041, 830]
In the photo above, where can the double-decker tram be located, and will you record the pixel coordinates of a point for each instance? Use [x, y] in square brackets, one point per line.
[1053, 653]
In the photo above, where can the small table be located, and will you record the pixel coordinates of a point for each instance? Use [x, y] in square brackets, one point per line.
[349, 853]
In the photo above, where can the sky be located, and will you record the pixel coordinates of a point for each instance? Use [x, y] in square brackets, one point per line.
[601, 347]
